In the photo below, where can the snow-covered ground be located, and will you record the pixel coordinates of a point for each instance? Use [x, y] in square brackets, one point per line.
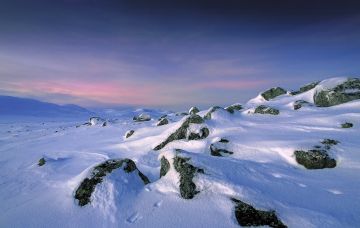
[262, 171]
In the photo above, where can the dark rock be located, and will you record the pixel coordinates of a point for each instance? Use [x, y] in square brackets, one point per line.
[187, 173]
[247, 215]
[233, 108]
[262, 109]
[347, 125]
[211, 110]
[162, 117]
[204, 132]
[328, 143]
[87, 186]
[182, 131]
[193, 110]
[129, 133]
[162, 121]
[41, 162]
[272, 93]
[181, 114]
[342, 93]
[222, 140]
[142, 117]
[314, 159]
[104, 124]
[305, 88]
[219, 152]
[165, 166]
[299, 104]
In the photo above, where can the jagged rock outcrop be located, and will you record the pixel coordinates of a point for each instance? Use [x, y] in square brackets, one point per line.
[347, 91]
[318, 157]
[233, 108]
[142, 117]
[187, 173]
[87, 186]
[262, 109]
[193, 110]
[305, 88]
[184, 132]
[247, 215]
[272, 93]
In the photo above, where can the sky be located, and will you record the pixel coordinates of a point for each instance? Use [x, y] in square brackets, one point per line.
[172, 54]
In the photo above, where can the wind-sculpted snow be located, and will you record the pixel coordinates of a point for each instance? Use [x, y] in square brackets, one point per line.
[269, 184]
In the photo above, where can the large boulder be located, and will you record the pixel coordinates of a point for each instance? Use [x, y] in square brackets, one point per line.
[262, 109]
[186, 132]
[314, 159]
[272, 93]
[330, 94]
[86, 188]
[247, 215]
[142, 117]
[187, 173]
[318, 157]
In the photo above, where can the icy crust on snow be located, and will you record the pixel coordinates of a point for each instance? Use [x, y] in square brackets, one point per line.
[261, 171]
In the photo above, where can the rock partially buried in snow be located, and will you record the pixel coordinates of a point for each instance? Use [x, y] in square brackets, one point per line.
[96, 120]
[336, 91]
[165, 166]
[233, 108]
[87, 186]
[185, 131]
[305, 88]
[300, 103]
[247, 215]
[272, 93]
[262, 109]
[347, 125]
[142, 117]
[207, 116]
[219, 148]
[187, 173]
[41, 162]
[317, 158]
[129, 133]
[193, 110]
[162, 121]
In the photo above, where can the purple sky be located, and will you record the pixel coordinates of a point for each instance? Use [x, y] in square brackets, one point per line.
[111, 53]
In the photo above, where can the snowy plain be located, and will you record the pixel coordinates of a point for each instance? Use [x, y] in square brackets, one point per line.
[262, 171]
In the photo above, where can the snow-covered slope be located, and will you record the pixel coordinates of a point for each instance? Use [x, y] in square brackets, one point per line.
[261, 171]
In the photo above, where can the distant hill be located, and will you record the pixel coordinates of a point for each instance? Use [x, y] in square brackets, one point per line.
[30, 107]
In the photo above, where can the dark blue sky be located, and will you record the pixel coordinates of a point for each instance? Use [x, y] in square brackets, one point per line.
[172, 54]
